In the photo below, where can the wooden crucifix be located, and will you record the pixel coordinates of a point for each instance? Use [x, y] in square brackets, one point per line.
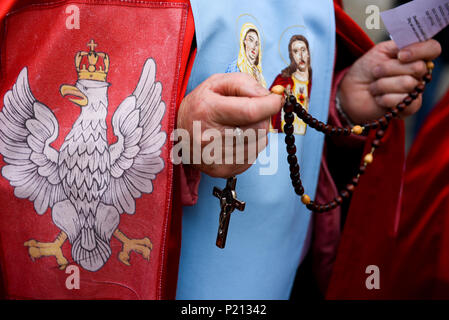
[228, 203]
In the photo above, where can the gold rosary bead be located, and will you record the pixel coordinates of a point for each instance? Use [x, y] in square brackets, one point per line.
[305, 199]
[369, 158]
[358, 130]
[430, 65]
[278, 89]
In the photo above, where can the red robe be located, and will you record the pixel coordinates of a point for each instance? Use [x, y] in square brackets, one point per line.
[421, 266]
[157, 278]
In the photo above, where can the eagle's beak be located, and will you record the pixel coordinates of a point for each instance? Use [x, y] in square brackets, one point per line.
[77, 96]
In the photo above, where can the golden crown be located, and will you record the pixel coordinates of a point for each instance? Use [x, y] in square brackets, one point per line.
[92, 65]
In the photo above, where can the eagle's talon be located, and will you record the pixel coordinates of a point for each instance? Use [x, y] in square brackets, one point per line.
[38, 250]
[124, 257]
[141, 246]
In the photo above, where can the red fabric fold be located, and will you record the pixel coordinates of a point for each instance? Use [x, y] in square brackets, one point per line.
[421, 265]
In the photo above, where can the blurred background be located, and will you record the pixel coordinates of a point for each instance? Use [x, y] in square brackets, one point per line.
[357, 9]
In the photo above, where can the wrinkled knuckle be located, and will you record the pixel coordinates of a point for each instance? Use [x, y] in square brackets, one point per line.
[380, 71]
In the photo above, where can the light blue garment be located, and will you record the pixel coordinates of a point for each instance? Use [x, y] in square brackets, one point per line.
[233, 67]
[267, 242]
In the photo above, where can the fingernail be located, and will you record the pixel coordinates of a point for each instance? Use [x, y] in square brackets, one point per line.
[405, 55]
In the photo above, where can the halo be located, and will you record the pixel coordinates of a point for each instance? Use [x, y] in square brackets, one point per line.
[285, 39]
[250, 19]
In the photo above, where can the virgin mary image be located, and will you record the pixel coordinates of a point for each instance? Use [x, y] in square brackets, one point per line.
[250, 54]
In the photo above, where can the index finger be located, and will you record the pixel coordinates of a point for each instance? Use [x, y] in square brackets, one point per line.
[428, 50]
[241, 111]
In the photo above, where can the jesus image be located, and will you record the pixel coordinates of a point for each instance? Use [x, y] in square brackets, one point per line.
[298, 77]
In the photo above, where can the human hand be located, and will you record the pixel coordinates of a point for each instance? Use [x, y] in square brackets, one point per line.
[383, 77]
[227, 101]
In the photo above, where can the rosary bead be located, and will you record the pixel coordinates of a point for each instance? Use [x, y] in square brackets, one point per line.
[292, 159]
[383, 122]
[305, 199]
[289, 140]
[289, 117]
[321, 126]
[339, 200]
[420, 88]
[407, 101]
[278, 89]
[388, 116]
[326, 208]
[299, 190]
[301, 112]
[368, 158]
[350, 188]
[358, 130]
[380, 134]
[395, 111]
[292, 99]
[401, 107]
[430, 65]
[346, 131]
[288, 108]
[311, 206]
[295, 176]
[291, 149]
[307, 118]
[333, 131]
[333, 204]
[428, 78]
[376, 143]
[313, 123]
[288, 129]
[344, 194]
[296, 183]
[355, 181]
[362, 169]
[414, 94]
[294, 168]
[340, 131]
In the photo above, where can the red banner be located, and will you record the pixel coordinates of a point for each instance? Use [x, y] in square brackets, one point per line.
[89, 93]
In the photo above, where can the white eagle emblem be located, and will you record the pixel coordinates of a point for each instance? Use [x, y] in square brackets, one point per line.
[88, 183]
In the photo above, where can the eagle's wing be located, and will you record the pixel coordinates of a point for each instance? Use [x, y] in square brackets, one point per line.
[27, 128]
[135, 157]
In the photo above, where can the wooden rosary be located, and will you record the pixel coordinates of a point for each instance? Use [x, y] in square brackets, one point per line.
[228, 196]
[292, 107]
